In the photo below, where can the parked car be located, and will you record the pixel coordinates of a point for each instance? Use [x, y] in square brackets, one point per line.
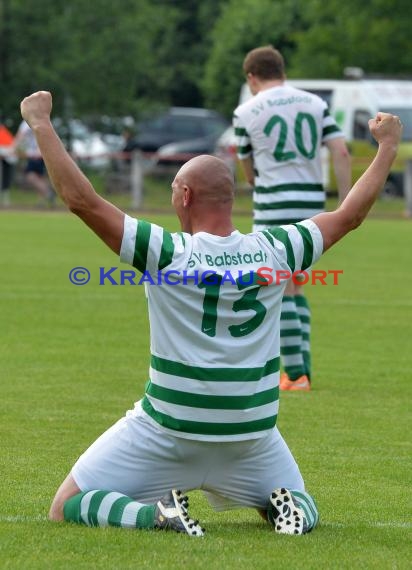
[173, 155]
[179, 124]
[88, 147]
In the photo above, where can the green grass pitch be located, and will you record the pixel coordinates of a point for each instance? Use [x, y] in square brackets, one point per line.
[74, 359]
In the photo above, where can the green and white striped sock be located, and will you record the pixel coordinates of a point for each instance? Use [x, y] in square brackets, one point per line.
[308, 505]
[304, 313]
[291, 339]
[108, 508]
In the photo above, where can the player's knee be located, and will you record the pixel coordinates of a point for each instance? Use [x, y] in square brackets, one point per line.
[56, 512]
[66, 490]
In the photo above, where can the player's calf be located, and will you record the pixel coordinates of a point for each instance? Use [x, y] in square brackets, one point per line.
[110, 508]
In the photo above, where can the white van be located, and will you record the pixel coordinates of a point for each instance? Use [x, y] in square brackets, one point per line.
[353, 103]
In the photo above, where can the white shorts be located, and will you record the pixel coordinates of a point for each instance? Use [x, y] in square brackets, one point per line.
[136, 458]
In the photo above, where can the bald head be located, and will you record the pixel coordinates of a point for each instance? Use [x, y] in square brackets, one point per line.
[209, 178]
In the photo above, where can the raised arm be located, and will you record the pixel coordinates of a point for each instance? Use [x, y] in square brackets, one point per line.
[387, 130]
[341, 165]
[244, 150]
[247, 168]
[69, 182]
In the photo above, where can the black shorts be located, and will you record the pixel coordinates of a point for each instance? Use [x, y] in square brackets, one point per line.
[35, 165]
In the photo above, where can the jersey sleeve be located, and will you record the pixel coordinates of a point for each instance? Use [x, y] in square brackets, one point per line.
[298, 245]
[330, 129]
[149, 247]
[243, 144]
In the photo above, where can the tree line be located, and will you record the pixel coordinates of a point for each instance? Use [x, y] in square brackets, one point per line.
[132, 57]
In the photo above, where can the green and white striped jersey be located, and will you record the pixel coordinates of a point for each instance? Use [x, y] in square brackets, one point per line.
[214, 306]
[284, 128]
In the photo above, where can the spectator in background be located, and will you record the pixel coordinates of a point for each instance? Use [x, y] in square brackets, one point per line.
[129, 144]
[7, 161]
[25, 146]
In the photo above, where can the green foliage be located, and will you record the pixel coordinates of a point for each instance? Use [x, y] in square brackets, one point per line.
[99, 57]
[244, 25]
[377, 39]
[134, 56]
[186, 57]
[318, 39]
[30, 51]
[104, 57]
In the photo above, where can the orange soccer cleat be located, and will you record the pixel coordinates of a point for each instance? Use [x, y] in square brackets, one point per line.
[301, 383]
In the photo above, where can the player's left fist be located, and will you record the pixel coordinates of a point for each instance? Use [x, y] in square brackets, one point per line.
[386, 128]
[36, 108]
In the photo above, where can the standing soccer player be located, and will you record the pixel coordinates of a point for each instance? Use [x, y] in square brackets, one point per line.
[25, 145]
[279, 133]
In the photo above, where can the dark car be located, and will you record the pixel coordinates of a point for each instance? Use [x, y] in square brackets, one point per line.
[179, 124]
[175, 154]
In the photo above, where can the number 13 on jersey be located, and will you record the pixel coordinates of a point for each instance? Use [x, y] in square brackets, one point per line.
[247, 302]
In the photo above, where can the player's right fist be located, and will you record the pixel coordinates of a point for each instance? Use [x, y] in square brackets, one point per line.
[36, 108]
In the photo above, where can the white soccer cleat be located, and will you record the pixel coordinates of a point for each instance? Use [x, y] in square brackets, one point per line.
[171, 514]
[285, 515]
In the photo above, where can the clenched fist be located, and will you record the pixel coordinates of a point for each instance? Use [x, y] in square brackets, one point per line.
[36, 108]
[386, 128]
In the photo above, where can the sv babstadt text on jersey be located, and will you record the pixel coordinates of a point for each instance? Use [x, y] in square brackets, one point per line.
[226, 259]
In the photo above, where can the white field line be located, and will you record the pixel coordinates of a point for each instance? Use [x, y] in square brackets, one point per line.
[22, 518]
[377, 524]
